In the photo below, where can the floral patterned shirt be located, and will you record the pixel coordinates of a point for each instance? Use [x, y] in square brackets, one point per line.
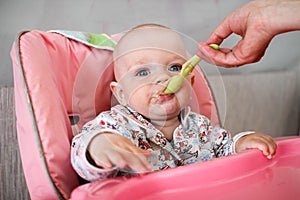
[194, 140]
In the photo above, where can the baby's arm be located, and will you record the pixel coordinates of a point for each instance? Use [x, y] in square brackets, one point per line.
[95, 157]
[80, 159]
[257, 140]
[111, 150]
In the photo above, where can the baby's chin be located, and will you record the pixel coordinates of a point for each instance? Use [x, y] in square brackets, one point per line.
[164, 110]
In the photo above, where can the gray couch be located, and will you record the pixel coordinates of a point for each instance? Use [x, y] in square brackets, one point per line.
[267, 102]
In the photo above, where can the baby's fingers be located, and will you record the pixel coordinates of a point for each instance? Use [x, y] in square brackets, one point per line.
[267, 147]
[138, 161]
[272, 149]
[104, 162]
[263, 142]
[126, 161]
[118, 160]
[270, 146]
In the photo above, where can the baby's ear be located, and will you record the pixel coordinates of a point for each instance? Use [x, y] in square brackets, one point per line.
[118, 93]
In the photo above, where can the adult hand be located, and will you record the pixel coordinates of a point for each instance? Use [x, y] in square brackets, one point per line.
[257, 23]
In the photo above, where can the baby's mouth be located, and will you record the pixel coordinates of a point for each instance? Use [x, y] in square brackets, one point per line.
[161, 97]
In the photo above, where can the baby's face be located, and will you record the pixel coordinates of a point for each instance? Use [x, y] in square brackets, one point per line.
[142, 77]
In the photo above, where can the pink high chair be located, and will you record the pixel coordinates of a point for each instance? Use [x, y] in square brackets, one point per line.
[61, 82]
[58, 78]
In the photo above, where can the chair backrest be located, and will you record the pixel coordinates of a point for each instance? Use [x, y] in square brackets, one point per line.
[56, 77]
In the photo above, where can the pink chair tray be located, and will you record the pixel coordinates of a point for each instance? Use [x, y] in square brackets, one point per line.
[248, 175]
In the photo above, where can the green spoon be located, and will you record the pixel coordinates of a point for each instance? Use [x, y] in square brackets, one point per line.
[176, 81]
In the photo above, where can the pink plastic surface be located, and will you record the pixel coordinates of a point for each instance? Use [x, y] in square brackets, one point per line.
[56, 77]
[245, 176]
[43, 127]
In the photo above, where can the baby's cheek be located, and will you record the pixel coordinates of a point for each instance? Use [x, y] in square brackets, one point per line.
[187, 90]
[138, 101]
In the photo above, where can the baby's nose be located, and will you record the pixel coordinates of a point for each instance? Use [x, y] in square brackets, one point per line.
[162, 78]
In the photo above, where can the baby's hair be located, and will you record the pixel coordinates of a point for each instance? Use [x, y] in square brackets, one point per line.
[149, 25]
[141, 26]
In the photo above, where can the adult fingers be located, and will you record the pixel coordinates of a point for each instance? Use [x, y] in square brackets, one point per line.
[239, 55]
[223, 57]
[221, 32]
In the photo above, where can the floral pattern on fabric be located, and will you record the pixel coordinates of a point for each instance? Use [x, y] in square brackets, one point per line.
[195, 140]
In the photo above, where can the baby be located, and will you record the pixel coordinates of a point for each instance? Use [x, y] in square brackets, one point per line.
[149, 130]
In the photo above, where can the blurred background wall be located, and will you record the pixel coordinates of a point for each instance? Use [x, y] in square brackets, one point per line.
[195, 18]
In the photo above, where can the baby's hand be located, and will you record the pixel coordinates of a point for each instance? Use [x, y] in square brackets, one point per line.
[257, 140]
[108, 150]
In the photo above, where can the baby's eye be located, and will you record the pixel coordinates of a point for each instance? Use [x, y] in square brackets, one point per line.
[175, 68]
[143, 72]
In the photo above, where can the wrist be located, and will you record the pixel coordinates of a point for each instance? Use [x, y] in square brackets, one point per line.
[282, 16]
[237, 138]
